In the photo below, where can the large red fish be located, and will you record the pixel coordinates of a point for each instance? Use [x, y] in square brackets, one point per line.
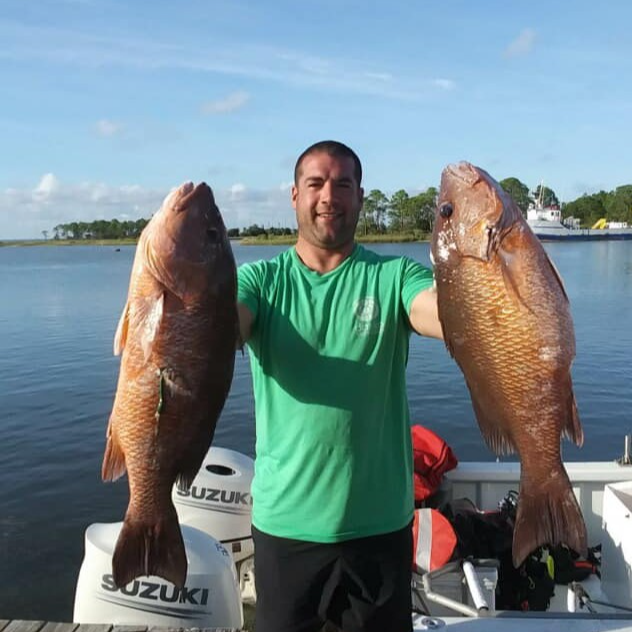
[506, 321]
[177, 336]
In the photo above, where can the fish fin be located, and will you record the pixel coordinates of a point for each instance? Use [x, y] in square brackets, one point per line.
[113, 466]
[184, 482]
[170, 386]
[150, 548]
[572, 429]
[166, 276]
[192, 461]
[548, 514]
[496, 439]
[176, 383]
[120, 338]
[515, 274]
[152, 319]
[557, 275]
[449, 345]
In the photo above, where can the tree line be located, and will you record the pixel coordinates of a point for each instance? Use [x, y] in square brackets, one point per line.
[99, 229]
[399, 213]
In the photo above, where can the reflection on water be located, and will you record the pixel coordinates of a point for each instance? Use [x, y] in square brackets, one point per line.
[58, 313]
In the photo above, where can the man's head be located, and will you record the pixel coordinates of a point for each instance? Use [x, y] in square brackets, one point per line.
[327, 196]
[331, 148]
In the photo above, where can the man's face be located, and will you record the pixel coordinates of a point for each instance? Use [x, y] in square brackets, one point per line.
[327, 199]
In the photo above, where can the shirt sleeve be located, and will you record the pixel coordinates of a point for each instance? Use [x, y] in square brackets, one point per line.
[415, 278]
[249, 286]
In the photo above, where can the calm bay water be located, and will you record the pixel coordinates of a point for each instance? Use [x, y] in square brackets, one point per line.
[59, 308]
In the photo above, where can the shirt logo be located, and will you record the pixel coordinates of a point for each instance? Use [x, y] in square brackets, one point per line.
[367, 313]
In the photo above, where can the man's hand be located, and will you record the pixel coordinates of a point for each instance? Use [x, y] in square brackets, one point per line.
[424, 314]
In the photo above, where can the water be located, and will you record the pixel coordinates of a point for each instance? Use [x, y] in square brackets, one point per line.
[58, 312]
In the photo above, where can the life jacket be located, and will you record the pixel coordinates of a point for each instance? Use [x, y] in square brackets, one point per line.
[432, 458]
[434, 540]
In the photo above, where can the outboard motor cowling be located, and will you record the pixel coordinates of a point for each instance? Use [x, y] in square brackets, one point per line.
[219, 501]
[210, 598]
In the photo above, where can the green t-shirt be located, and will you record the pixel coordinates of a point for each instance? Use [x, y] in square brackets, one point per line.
[328, 354]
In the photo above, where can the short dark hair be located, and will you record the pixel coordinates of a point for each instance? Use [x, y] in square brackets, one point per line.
[332, 148]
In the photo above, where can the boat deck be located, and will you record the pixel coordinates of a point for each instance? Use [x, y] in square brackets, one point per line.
[501, 622]
[49, 626]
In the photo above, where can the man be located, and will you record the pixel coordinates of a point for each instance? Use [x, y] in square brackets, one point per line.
[328, 324]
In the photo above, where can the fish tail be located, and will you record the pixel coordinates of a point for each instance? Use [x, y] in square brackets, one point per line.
[150, 548]
[547, 514]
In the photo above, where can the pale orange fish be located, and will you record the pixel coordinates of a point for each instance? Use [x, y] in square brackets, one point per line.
[506, 320]
[177, 336]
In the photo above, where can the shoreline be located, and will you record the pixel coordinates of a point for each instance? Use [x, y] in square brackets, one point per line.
[8, 243]
[284, 240]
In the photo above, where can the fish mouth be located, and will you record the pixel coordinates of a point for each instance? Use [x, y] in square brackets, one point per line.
[464, 171]
[186, 188]
[187, 193]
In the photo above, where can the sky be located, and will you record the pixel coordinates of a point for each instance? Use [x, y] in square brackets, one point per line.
[106, 105]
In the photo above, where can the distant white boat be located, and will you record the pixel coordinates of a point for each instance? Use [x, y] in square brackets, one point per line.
[546, 223]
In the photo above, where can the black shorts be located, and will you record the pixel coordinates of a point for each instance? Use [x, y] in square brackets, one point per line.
[360, 585]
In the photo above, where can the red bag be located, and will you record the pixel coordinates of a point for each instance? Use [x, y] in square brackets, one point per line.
[432, 458]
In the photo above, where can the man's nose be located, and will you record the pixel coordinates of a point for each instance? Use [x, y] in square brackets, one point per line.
[327, 192]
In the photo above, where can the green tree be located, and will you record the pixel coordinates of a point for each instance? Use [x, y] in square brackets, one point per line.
[518, 191]
[422, 209]
[398, 210]
[587, 208]
[374, 210]
[619, 204]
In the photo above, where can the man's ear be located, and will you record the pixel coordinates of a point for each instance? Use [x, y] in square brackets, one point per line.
[294, 195]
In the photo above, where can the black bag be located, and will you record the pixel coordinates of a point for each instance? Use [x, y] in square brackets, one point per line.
[489, 534]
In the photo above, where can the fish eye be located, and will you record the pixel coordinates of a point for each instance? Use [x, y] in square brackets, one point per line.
[213, 235]
[446, 210]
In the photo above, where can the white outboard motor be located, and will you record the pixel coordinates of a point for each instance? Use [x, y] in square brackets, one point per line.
[219, 503]
[209, 599]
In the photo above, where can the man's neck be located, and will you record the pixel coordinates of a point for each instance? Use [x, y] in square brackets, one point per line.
[322, 260]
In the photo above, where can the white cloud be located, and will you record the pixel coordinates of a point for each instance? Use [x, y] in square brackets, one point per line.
[26, 212]
[231, 103]
[106, 127]
[522, 45]
[46, 187]
[444, 84]
[379, 76]
[237, 191]
[65, 46]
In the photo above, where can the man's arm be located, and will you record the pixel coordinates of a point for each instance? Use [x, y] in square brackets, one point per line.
[424, 314]
[246, 319]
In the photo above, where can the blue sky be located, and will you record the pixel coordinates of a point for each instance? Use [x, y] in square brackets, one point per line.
[106, 104]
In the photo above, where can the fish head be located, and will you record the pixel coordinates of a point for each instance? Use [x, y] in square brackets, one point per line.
[473, 214]
[187, 239]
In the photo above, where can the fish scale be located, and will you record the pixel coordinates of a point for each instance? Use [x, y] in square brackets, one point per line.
[178, 335]
[506, 321]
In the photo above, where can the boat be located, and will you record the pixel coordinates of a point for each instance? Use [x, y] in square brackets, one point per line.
[215, 519]
[546, 222]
